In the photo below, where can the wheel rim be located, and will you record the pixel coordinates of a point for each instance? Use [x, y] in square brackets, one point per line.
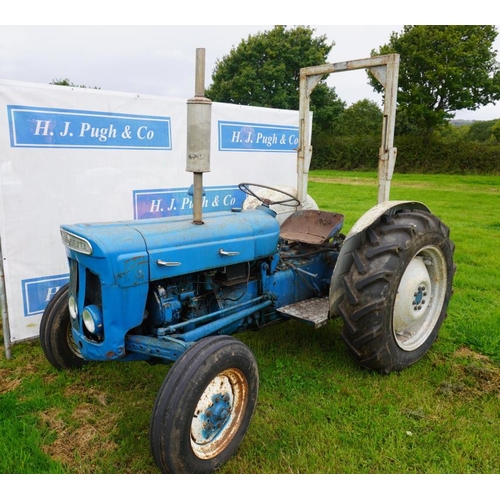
[72, 344]
[420, 298]
[219, 413]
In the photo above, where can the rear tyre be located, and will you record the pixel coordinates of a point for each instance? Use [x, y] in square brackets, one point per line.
[56, 337]
[397, 292]
[204, 406]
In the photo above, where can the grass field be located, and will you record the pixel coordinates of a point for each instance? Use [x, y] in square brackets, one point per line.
[318, 412]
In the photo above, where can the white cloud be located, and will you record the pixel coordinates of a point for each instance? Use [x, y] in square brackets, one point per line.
[159, 60]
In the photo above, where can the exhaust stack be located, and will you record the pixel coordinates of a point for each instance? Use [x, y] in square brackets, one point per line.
[199, 115]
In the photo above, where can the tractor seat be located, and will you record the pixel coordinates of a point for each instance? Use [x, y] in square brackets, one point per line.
[311, 226]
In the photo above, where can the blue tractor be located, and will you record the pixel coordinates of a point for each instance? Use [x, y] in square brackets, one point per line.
[176, 290]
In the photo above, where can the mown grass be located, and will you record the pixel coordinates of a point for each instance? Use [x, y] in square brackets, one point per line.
[318, 412]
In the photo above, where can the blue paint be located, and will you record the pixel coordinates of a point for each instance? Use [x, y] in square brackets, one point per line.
[216, 416]
[163, 284]
[216, 326]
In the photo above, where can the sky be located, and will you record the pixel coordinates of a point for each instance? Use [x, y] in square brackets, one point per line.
[159, 59]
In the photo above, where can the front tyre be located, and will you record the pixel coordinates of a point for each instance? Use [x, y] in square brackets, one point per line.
[204, 406]
[56, 337]
[397, 292]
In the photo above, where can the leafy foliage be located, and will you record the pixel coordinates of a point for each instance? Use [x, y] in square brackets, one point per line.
[443, 69]
[66, 82]
[442, 155]
[484, 131]
[360, 119]
[264, 70]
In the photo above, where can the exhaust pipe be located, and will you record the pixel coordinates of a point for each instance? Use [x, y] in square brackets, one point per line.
[199, 116]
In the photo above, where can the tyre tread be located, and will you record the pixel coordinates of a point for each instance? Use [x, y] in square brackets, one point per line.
[167, 442]
[367, 297]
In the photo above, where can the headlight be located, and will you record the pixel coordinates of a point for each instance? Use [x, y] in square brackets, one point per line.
[92, 318]
[72, 306]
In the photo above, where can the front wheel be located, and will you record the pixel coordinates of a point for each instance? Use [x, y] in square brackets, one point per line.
[204, 406]
[397, 292]
[56, 337]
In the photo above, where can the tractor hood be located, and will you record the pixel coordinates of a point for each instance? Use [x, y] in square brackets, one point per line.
[133, 252]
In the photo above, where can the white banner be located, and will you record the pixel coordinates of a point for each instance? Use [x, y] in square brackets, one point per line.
[72, 155]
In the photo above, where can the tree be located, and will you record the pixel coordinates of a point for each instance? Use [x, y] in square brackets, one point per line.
[443, 69]
[495, 131]
[264, 70]
[361, 119]
[66, 82]
[484, 131]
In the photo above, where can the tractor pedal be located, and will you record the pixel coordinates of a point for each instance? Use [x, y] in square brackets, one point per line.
[312, 311]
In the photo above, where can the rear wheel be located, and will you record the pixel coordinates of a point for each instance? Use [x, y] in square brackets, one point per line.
[56, 337]
[204, 406]
[397, 292]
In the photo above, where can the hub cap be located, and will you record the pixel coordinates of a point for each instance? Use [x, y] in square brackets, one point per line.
[218, 413]
[420, 298]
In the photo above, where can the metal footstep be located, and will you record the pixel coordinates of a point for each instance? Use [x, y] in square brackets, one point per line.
[312, 311]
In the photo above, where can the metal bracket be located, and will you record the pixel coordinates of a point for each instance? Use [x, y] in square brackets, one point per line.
[385, 69]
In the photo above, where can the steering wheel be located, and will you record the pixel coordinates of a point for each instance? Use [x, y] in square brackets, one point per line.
[288, 201]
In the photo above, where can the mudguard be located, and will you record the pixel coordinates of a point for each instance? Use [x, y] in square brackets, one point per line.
[353, 241]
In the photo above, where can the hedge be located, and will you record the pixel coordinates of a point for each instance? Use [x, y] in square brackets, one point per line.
[361, 153]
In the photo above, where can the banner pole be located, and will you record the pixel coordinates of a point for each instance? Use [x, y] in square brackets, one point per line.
[5, 313]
